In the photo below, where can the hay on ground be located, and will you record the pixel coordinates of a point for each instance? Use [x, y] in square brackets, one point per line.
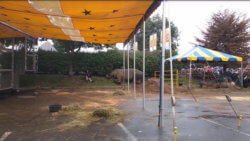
[119, 93]
[107, 112]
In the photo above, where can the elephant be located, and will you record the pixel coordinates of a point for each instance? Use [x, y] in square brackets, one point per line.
[118, 75]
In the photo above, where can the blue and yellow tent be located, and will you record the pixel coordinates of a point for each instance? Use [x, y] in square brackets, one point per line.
[199, 54]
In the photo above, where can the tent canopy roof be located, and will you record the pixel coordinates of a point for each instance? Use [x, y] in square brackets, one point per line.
[8, 32]
[104, 22]
[203, 54]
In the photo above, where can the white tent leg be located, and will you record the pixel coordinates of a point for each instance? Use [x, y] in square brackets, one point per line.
[241, 74]
[161, 100]
[128, 67]
[143, 72]
[134, 70]
[123, 79]
[25, 54]
[190, 74]
[12, 63]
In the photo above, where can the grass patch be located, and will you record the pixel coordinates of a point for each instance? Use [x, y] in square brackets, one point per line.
[46, 80]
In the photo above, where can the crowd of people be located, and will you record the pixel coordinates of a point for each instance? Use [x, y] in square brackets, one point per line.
[218, 74]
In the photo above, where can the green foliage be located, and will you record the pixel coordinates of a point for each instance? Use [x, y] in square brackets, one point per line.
[99, 63]
[67, 46]
[227, 32]
[154, 25]
[53, 62]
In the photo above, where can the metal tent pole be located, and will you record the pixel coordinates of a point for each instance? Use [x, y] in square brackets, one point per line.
[190, 74]
[25, 54]
[12, 63]
[143, 63]
[171, 70]
[123, 79]
[134, 70]
[171, 61]
[34, 59]
[128, 67]
[161, 100]
[241, 75]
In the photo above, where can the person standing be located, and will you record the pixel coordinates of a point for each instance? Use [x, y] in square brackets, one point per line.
[88, 76]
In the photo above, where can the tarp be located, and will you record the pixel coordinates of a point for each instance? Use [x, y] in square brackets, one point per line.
[203, 54]
[8, 32]
[94, 21]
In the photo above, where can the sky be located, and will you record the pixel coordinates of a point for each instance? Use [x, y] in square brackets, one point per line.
[192, 16]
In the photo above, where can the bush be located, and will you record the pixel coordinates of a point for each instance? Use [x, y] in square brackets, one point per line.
[97, 63]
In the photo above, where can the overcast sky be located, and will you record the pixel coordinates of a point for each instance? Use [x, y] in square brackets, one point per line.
[192, 16]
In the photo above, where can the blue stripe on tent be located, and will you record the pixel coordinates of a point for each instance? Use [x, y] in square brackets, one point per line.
[210, 54]
[199, 57]
[231, 58]
[184, 59]
[176, 59]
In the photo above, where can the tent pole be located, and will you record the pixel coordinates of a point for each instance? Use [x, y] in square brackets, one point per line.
[171, 61]
[204, 72]
[171, 69]
[143, 72]
[128, 66]
[134, 70]
[161, 96]
[190, 74]
[12, 63]
[25, 54]
[123, 78]
[241, 74]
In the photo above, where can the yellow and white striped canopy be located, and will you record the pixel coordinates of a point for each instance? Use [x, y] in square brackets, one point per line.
[203, 54]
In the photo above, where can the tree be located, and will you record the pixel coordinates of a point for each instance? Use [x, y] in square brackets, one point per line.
[73, 47]
[227, 32]
[154, 25]
[69, 47]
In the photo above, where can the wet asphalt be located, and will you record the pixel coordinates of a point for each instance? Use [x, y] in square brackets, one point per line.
[193, 123]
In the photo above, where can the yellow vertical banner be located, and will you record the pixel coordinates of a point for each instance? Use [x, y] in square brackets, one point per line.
[167, 38]
[155, 42]
[136, 46]
[151, 43]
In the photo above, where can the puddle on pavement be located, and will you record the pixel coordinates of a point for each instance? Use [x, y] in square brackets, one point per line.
[214, 116]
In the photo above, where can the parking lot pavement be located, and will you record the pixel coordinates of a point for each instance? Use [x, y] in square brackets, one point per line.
[194, 123]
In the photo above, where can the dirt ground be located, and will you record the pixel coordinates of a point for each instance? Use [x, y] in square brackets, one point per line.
[26, 115]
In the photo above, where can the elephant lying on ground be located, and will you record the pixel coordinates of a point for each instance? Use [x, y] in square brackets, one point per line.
[118, 75]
